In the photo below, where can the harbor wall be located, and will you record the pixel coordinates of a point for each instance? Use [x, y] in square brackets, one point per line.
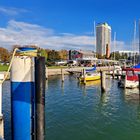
[51, 72]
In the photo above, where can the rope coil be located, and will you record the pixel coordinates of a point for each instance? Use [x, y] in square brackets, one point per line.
[31, 52]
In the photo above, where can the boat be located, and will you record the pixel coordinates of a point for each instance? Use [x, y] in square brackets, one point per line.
[90, 75]
[129, 78]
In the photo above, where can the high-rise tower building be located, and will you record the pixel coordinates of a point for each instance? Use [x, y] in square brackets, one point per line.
[103, 39]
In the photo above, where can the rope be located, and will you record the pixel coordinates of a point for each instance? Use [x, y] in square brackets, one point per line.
[30, 53]
[6, 75]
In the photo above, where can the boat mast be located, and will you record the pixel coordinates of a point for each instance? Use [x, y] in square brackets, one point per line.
[139, 41]
[94, 33]
[114, 43]
[134, 41]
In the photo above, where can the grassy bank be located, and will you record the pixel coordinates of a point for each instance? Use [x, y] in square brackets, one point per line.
[3, 67]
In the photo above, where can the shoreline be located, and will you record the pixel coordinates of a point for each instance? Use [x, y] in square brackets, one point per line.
[57, 71]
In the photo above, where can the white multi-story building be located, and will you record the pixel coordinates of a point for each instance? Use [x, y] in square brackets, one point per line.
[103, 39]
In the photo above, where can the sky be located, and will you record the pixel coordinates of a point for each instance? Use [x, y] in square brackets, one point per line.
[66, 24]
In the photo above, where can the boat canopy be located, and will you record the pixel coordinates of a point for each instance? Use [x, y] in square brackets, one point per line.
[90, 70]
[137, 66]
[131, 69]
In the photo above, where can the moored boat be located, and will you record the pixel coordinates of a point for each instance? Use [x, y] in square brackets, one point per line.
[129, 78]
[90, 77]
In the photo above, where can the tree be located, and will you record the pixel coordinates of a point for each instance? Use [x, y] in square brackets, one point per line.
[53, 55]
[44, 53]
[63, 54]
[117, 56]
[4, 55]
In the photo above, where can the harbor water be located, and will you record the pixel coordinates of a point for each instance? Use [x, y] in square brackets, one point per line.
[80, 112]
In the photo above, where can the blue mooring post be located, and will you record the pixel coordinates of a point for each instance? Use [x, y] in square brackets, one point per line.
[40, 97]
[22, 97]
[28, 95]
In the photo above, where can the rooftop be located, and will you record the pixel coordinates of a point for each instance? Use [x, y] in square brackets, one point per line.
[104, 24]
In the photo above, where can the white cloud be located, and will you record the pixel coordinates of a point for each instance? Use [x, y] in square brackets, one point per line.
[24, 33]
[11, 11]
[121, 45]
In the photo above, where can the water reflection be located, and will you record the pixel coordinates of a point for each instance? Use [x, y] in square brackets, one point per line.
[104, 99]
[132, 95]
[84, 113]
[46, 87]
[89, 83]
[62, 88]
[93, 83]
[138, 111]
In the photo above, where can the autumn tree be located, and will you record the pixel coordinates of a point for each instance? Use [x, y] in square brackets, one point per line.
[4, 55]
[53, 55]
[63, 54]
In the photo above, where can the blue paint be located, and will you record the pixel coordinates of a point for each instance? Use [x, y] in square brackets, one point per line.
[22, 94]
[26, 49]
[91, 70]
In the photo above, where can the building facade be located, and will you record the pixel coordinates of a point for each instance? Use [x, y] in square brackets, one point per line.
[103, 39]
[79, 54]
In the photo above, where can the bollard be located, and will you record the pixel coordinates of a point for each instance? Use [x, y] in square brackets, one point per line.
[40, 97]
[62, 75]
[113, 74]
[22, 97]
[84, 75]
[1, 115]
[103, 80]
[46, 73]
[125, 81]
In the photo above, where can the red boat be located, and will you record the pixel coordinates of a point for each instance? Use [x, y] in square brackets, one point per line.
[129, 78]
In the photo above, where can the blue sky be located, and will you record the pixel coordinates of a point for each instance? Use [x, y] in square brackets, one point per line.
[60, 24]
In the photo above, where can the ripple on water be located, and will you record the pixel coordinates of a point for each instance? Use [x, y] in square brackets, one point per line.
[77, 112]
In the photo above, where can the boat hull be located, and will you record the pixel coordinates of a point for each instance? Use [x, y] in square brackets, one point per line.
[129, 84]
[90, 78]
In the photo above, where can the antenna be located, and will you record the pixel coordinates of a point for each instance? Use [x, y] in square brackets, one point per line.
[114, 43]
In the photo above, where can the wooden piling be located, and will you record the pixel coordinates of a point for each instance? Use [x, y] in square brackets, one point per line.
[113, 74]
[1, 127]
[125, 81]
[46, 73]
[103, 80]
[62, 75]
[1, 115]
[84, 75]
[40, 98]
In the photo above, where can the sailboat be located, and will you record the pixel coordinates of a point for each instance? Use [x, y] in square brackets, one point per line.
[130, 78]
[90, 75]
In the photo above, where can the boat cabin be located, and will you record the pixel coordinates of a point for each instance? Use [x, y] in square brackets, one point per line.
[131, 73]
